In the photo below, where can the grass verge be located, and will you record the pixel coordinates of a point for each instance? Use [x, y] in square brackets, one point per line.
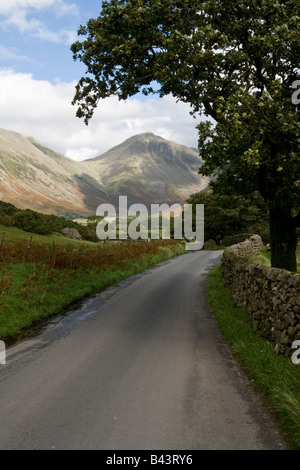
[275, 377]
[31, 293]
[264, 258]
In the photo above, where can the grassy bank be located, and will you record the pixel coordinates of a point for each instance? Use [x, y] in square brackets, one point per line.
[49, 282]
[16, 235]
[264, 258]
[275, 377]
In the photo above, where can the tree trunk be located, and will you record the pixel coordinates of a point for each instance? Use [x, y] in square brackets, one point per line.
[283, 239]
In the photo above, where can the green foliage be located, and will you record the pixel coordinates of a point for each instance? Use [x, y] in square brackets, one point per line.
[264, 258]
[227, 215]
[235, 62]
[7, 220]
[31, 221]
[88, 232]
[42, 224]
[7, 209]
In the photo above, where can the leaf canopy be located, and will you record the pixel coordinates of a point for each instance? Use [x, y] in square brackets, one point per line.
[233, 61]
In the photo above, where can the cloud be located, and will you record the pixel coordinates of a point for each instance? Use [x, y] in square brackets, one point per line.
[61, 6]
[21, 15]
[43, 110]
[11, 53]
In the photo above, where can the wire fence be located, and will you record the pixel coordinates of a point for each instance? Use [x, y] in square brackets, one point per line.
[104, 255]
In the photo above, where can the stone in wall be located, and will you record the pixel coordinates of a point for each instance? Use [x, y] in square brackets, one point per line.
[247, 248]
[235, 239]
[271, 296]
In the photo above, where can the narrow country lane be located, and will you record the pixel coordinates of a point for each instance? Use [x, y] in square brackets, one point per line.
[141, 366]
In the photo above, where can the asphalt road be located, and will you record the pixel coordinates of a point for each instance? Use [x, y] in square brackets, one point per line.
[140, 366]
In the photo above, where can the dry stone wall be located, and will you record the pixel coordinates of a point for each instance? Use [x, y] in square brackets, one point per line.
[271, 296]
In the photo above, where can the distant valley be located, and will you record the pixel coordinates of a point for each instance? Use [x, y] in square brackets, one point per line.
[146, 168]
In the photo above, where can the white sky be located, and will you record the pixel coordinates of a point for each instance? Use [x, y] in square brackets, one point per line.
[38, 77]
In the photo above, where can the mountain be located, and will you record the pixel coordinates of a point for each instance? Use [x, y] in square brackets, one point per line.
[146, 168]
[149, 169]
[34, 176]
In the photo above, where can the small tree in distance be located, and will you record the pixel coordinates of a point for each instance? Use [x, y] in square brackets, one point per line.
[235, 62]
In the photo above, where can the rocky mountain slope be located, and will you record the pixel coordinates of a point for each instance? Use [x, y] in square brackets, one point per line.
[146, 168]
[149, 169]
[35, 177]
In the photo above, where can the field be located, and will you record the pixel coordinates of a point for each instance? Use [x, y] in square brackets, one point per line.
[14, 235]
[41, 276]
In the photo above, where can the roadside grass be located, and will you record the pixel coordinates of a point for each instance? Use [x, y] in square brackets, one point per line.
[264, 258]
[32, 292]
[275, 377]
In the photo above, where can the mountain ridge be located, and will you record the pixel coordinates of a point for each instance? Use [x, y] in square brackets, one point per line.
[32, 178]
[168, 171]
[146, 168]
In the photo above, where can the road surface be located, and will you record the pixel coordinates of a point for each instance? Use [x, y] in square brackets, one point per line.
[141, 366]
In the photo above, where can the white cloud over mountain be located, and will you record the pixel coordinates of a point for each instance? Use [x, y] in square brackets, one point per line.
[43, 110]
[34, 50]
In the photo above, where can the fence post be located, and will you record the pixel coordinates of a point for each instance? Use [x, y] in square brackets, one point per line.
[52, 252]
[28, 248]
[2, 239]
[70, 256]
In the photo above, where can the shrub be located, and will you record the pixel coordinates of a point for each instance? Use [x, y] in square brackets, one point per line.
[31, 221]
[7, 220]
[7, 209]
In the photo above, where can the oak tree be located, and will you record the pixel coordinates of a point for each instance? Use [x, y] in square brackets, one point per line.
[234, 62]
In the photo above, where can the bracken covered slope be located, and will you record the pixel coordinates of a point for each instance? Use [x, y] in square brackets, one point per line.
[146, 168]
